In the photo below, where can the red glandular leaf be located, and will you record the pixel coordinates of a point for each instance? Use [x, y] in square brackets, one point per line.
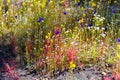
[71, 54]
[106, 78]
[116, 76]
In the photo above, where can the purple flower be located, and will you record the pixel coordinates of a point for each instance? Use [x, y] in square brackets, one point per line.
[48, 0]
[90, 25]
[113, 11]
[118, 40]
[64, 13]
[94, 11]
[40, 19]
[78, 4]
[57, 32]
[77, 20]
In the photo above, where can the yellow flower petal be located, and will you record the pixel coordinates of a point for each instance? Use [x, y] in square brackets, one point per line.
[8, 1]
[118, 46]
[72, 65]
[51, 41]
[81, 21]
[46, 37]
[93, 4]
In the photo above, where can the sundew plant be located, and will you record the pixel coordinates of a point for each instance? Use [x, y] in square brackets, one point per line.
[54, 35]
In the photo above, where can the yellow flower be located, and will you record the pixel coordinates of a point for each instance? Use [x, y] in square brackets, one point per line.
[72, 65]
[0, 11]
[42, 3]
[8, 1]
[51, 41]
[81, 21]
[109, 1]
[93, 4]
[46, 37]
[82, 8]
[118, 46]
[84, 15]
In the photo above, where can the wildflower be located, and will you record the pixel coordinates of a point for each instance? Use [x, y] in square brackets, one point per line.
[72, 65]
[78, 4]
[64, 13]
[77, 20]
[46, 37]
[48, 0]
[104, 29]
[8, 1]
[90, 25]
[84, 15]
[94, 11]
[118, 40]
[113, 11]
[57, 32]
[81, 21]
[97, 28]
[93, 4]
[118, 45]
[51, 41]
[82, 8]
[40, 19]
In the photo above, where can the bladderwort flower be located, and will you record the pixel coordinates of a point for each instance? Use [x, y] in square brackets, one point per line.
[40, 19]
[77, 20]
[90, 25]
[57, 31]
[119, 40]
[64, 13]
[95, 11]
[113, 11]
[48, 0]
[118, 45]
[78, 4]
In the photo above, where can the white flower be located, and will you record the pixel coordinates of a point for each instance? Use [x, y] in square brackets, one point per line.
[103, 34]
[97, 28]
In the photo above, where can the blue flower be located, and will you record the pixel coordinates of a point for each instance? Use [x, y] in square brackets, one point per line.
[64, 13]
[77, 20]
[113, 11]
[90, 25]
[118, 40]
[78, 4]
[48, 0]
[94, 11]
[40, 19]
[57, 32]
